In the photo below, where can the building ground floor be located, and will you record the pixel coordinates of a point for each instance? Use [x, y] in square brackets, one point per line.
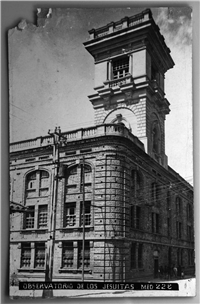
[112, 260]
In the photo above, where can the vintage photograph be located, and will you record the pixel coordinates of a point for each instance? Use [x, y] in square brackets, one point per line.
[101, 153]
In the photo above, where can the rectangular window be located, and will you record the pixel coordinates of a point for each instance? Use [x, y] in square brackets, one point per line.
[26, 255]
[133, 256]
[140, 256]
[67, 255]
[190, 257]
[168, 226]
[29, 217]
[132, 214]
[69, 215]
[42, 216]
[31, 181]
[138, 210]
[120, 67]
[87, 213]
[178, 230]
[155, 219]
[189, 212]
[157, 223]
[86, 255]
[31, 185]
[135, 215]
[152, 222]
[189, 232]
[44, 183]
[39, 255]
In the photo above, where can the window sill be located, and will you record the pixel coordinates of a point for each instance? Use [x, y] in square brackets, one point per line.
[37, 197]
[75, 228]
[31, 270]
[74, 271]
[34, 230]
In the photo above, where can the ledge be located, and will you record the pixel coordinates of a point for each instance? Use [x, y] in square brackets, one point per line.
[80, 134]
[32, 230]
[31, 270]
[74, 271]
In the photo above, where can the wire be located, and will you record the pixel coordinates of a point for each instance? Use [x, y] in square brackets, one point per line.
[86, 122]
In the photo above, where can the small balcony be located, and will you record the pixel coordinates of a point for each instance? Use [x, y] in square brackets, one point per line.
[119, 81]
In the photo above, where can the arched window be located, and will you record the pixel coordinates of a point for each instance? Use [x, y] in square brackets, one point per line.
[73, 177]
[72, 215]
[37, 183]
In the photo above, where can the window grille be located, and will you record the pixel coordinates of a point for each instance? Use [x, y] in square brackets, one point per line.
[29, 222]
[67, 255]
[42, 216]
[120, 68]
[86, 255]
[39, 255]
[87, 214]
[70, 214]
[26, 255]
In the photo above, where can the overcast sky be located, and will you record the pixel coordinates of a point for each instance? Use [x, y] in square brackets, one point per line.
[54, 92]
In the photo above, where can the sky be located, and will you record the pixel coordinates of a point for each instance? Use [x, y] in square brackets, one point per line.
[51, 75]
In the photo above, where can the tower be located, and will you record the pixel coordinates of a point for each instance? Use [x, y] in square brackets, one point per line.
[131, 59]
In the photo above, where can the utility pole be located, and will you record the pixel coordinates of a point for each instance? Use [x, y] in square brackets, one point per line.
[52, 214]
[83, 214]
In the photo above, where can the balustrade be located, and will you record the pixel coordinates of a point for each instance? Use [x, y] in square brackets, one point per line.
[119, 25]
[101, 130]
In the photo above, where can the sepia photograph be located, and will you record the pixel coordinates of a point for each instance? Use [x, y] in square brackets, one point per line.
[101, 153]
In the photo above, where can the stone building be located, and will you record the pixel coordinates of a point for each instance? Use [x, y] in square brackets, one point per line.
[138, 210]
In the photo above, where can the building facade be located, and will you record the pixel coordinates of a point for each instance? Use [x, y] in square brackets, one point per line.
[111, 180]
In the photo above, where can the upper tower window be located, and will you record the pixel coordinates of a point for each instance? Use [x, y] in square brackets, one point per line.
[120, 67]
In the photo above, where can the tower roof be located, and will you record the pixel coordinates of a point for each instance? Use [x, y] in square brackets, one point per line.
[130, 33]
